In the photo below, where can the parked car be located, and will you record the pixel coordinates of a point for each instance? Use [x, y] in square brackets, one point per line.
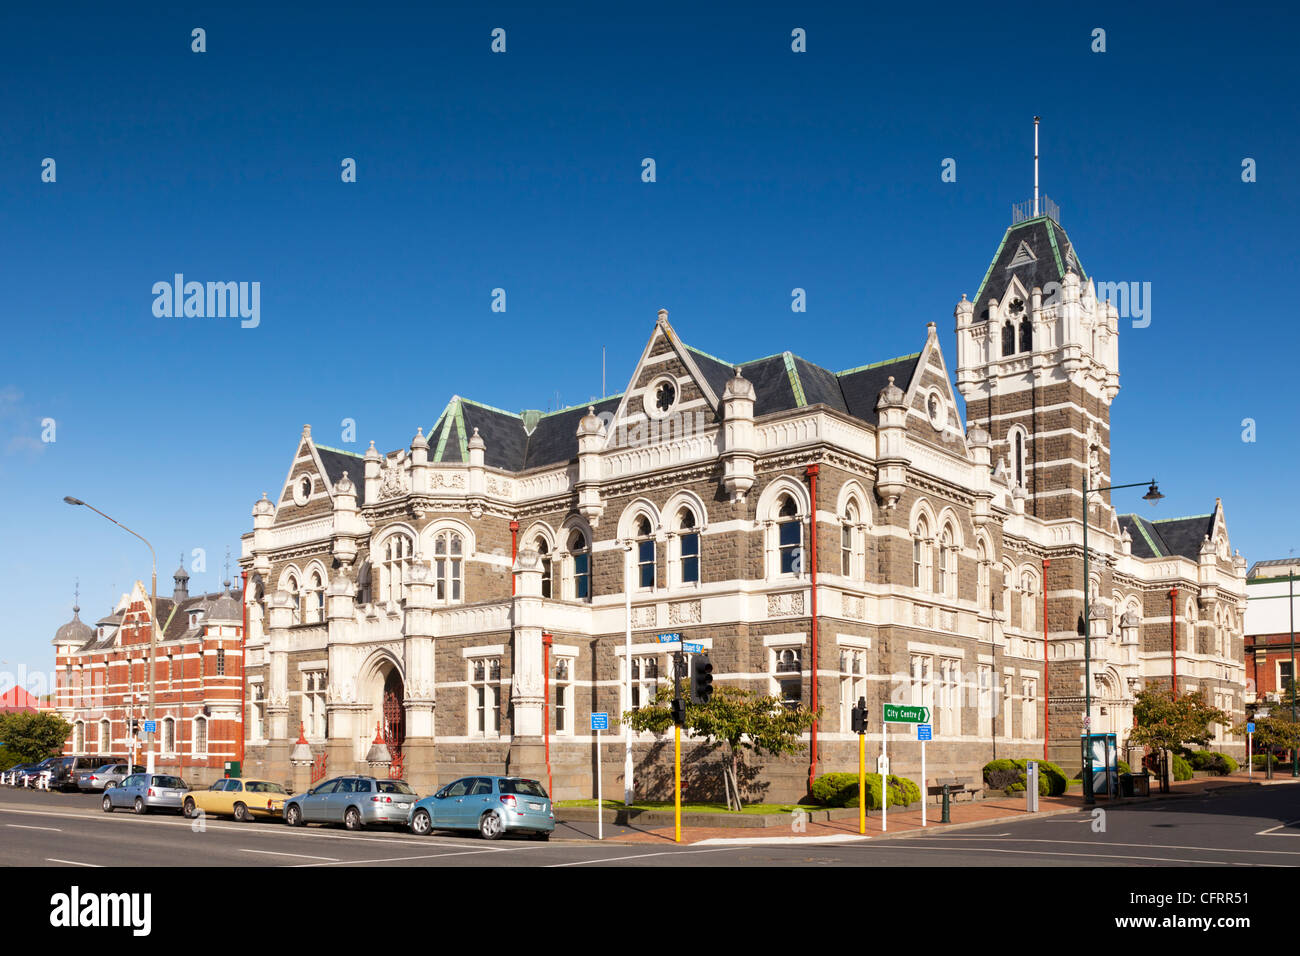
[14, 775]
[143, 792]
[64, 771]
[492, 805]
[242, 799]
[108, 775]
[353, 801]
[32, 775]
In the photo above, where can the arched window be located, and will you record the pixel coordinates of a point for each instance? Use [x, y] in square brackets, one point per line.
[984, 596]
[645, 553]
[580, 558]
[365, 584]
[922, 560]
[544, 554]
[448, 566]
[789, 536]
[1028, 601]
[1008, 578]
[852, 560]
[78, 737]
[1026, 335]
[200, 735]
[947, 563]
[1009, 339]
[689, 543]
[1018, 458]
[169, 735]
[315, 599]
[397, 552]
[291, 585]
[105, 736]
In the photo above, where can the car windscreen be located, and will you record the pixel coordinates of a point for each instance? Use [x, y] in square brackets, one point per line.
[394, 786]
[526, 788]
[257, 786]
[173, 782]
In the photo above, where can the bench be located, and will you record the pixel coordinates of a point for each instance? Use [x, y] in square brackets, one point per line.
[956, 786]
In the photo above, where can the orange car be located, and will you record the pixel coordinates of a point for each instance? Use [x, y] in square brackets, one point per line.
[235, 797]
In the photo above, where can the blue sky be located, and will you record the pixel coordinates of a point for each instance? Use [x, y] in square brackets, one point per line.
[522, 171]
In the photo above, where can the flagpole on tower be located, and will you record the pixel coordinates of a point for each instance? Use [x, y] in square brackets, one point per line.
[1035, 166]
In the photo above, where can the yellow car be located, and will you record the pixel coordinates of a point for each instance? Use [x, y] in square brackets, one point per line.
[233, 797]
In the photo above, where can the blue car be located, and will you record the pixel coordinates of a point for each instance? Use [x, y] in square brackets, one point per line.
[491, 805]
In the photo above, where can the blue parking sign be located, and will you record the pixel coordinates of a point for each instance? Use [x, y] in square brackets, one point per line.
[150, 726]
[600, 721]
[1250, 727]
[923, 732]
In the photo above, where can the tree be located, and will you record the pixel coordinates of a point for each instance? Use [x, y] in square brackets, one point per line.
[1166, 722]
[30, 738]
[1274, 732]
[742, 719]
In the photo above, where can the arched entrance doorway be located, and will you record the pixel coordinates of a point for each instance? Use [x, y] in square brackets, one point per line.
[394, 720]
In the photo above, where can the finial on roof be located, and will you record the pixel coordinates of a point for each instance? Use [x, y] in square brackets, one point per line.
[663, 315]
[306, 431]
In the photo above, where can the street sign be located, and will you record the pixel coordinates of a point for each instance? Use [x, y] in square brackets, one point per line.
[669, 638]
[899, 714]
[923, 732]
[600, 721]
[150, 726]
[693, 648]
[1250, 727]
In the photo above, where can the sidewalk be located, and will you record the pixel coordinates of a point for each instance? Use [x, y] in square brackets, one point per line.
[972, 813]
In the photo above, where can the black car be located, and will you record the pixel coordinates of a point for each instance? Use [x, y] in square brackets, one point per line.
[35, 770]
[64, 772]
[14, 774]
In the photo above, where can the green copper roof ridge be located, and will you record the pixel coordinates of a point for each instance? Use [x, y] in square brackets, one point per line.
[1183, 518]
[1083, 273]
[799, 399]
[889, 361]
[1051, 237]
[692, 348]
[441, 415]
[446, 418]
[1151, 544]
[339, 450]
[491, 408]
[592, 401]
[989, 271]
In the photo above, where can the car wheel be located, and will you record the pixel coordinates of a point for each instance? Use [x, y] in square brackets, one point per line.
[542, 835]
[489, 825]
[421, 823]
[107, 803]
[190, 809]
[140, 808]
[241, 813]
[293, 816]
[352, 818]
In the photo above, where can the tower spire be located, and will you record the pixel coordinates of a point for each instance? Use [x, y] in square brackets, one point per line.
[1035, 167]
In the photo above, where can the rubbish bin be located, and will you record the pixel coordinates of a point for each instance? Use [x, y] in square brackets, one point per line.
[1126, 785]
[1141, 784]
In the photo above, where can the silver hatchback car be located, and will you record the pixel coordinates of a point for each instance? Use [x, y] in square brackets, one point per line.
[354, 802]
[143, 792]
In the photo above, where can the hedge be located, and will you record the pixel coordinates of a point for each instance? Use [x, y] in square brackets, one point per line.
[1213, 761]
[1182, 769]
[1052, 781]
[1260, 761]
[841, 790]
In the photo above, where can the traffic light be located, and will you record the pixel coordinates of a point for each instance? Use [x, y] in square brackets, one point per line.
[679, 711]
[702, 680]
[860, 716]
[135, 726]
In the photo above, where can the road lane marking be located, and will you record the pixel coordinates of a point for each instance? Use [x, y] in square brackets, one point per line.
[1098, 856]
[19, 826]
[1144, 846]
[396, 859]
[639, 856]
[50, 859]
[1272, 830]
[306, 856]
[780, 841]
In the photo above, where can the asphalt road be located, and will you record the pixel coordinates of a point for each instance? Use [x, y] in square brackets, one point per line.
[1241, 828]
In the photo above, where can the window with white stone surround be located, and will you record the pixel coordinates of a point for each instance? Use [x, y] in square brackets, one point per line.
[645, 681]
[313, 703]
[922, 556]
[562, 688]
[485, 694]
[922, 670]
[1029, 708]
[448, 567]
[949, 696]
[786, 665]
[396, 552]
[853, 683]
[985, 678]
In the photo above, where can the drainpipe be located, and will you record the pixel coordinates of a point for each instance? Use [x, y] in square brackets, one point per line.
[812, 473]
[1173, 638]
[514, 550]
[1047, 698]
[546, 706]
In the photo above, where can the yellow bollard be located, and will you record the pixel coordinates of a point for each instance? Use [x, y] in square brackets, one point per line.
[677, 783]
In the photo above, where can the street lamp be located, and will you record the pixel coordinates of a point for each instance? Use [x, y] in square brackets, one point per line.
[1153, 495]
[153, 615]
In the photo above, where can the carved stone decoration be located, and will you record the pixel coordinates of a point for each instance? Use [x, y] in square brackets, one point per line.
[854, 607]
[789, 604]
[442, 479]
[686, 612]
[526, 685]
[341, 693]
[644, 616]
[948, 620]
[393, 482]
[921, 615]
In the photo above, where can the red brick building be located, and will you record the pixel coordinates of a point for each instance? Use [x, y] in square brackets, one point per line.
[1272, 587]
[102, 680]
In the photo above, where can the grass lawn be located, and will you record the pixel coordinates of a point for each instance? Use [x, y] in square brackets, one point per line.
[686, 807]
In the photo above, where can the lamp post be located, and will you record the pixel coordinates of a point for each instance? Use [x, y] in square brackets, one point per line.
[628, 790]
[153, 617]
[1153, 495]
[1290, 603]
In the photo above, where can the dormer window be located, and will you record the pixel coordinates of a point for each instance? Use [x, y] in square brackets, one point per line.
[194, 618]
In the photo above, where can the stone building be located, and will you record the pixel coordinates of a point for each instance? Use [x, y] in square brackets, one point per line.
[102, 680]
[469, 600]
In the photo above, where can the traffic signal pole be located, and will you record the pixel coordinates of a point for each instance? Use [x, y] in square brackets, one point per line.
[677, 784]
[862, 783]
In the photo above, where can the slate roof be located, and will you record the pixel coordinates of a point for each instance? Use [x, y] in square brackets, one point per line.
[781, 382]
[1169, 537]
[1053, 253]
[337, 461]
[1271, 567]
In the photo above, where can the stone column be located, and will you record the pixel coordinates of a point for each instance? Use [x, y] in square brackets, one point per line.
[418, 750]
[340, 702]
[277, 698]
[527, 748]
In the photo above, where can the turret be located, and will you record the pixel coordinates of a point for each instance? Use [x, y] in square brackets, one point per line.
[591, 439]
[419, 462]
[891, 429]
[373, 458]
[738, 445]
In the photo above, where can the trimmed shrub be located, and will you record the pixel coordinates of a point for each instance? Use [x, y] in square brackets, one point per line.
[1009, 775]
[1212, 761]
[1261, 761]
[1182, 769]
[841, 790]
